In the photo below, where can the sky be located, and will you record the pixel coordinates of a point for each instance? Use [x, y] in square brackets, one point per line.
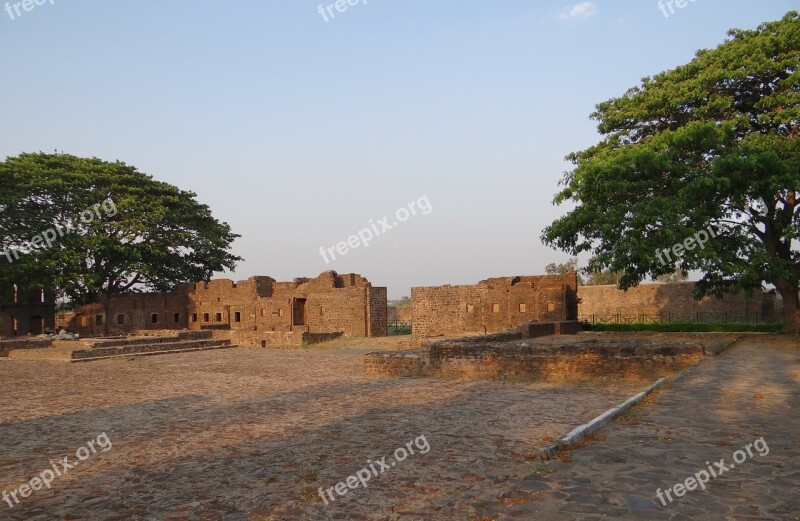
[301, 125]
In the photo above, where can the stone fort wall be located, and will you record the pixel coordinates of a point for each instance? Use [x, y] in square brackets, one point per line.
[25, 311]
[673, 300]
[347, 304]
[493, 305]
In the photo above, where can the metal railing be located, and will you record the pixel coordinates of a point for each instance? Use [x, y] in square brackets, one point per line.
[399, 327]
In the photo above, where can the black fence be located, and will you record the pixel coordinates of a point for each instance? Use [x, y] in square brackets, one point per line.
[698, 317]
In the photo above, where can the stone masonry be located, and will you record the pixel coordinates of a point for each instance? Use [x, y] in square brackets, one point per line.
[673, 301]
[255, 310]
[25, 311]
[494, 305]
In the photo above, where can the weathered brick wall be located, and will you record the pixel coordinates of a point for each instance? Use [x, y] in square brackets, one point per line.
[493, 304]
[6, 327]
[378, 312]
[332, 303]
[670, 300]
[275, 339]
[132, 312]
[7, 346]
[217, 302]
[329, 303]
[63, 319]
[600, 360]
[25, 311]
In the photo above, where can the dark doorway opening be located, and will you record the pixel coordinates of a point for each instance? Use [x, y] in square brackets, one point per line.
[36, 325]
[299, 312]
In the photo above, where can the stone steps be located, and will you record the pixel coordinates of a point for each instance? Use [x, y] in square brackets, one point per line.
[101, 350]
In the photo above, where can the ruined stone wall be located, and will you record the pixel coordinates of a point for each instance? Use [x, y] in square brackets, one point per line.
[6, 325]
[130, 312]
[274, 339]
[329, 303]
[378, 312]
[493, 305]
[223, 302]
[671, 301]
[25, 311]
[600, 361]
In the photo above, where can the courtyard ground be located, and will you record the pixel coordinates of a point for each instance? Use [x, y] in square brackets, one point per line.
[250, 434]
[714, 410]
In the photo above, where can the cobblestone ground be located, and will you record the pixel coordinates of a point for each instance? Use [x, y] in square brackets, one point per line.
[715, 409]
[251, 434]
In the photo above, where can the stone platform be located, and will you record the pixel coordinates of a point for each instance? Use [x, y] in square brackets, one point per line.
[102, 348]
[587, 355]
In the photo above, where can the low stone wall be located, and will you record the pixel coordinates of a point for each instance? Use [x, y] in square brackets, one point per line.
[162, 346]
[7, 346]
[149, 339]
[537, 329]
[275, 339]
[516, 361]
[509, 357]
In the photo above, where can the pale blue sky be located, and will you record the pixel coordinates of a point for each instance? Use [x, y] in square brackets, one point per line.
[297, 131]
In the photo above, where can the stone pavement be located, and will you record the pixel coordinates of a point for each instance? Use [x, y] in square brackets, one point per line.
[240, 434]
[712, 411]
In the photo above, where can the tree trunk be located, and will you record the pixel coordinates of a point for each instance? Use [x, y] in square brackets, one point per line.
[791, 307]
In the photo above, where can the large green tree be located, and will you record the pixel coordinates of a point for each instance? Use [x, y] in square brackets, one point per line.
[706, 153]
[100, 228]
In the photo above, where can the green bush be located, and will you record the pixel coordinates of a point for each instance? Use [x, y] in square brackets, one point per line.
[687, 327]
[399, 330]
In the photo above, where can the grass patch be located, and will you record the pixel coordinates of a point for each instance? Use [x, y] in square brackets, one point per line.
[480, 504]
[399, 330]
[541, 468]
[309, 476]
[687, 327]
[308, 494]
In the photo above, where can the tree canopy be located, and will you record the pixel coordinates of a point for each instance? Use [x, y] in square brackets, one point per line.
[703, 163]
[88, 227]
